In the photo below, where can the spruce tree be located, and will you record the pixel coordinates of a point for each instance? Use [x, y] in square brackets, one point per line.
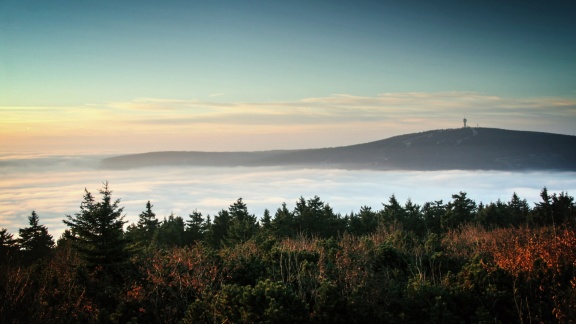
[219, 229]
[283, 223]
[266, 221]
[518, 210]
[195, 227]
[7, 245]
[147, 221]
[35, 240]
[171, 232]
[97, 231]
[142, 233]
[242, 224]
[461, 210]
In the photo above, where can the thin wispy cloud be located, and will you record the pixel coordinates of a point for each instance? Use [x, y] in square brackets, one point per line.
[344, 106]
[148, 124]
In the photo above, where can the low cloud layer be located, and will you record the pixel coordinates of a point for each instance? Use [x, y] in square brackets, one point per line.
[54, 186]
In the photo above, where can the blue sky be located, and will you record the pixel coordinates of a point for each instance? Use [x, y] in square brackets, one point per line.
[66, 63]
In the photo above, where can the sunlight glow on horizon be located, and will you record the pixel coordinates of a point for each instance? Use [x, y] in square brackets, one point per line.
[149, 124]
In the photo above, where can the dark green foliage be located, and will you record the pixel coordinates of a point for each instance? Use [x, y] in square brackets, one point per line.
[554, 209]
[518, 210]
[34, 240]
[143, 232]
[365, 222]
[314, 218]
[171, 232]
[493, 215]
[392, 212]
[196, 228]
[218, 233]
[97, 231]
[266, 221]
[7, 246]
[413, 219]
[243, 225]
[460, 211]
[439, 263]
[283, 223]
[542, 212]
[245, 263]
[433, 213]
[265, 302]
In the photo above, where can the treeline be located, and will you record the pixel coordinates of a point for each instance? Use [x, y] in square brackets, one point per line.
[438, 262]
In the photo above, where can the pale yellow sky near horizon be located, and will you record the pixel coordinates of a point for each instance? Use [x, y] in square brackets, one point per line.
[152, 124]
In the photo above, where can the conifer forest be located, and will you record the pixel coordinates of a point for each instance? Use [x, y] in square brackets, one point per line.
[456, 261]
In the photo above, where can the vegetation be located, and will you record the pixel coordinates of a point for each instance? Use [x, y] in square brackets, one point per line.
[459, 261]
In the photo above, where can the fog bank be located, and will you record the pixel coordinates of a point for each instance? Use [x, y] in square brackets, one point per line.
[53, 186]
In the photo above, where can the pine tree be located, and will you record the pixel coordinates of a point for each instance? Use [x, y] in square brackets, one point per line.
[35, 240]
[97, 231]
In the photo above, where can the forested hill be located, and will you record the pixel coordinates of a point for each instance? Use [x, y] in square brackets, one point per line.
[463, 149]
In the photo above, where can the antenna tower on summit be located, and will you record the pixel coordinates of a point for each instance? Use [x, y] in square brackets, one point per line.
[465, 120]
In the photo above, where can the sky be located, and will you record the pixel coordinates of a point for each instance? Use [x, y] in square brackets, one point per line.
[82, 79]
[111, 77]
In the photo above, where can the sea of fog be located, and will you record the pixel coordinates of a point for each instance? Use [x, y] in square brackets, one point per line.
[53, 186]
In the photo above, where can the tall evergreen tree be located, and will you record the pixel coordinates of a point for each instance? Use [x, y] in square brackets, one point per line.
[563, 209]
[283, 223]
[219, 229]
[364, 222]
[392, 212]
[518, 210]
[142, 233]
[243, 225]
[171, 232]
[433, 213]
[413, 219]
[266, 221]
[461, 210]
[196, 227]
[308, 216]
[542, 212]
[97, 231]
[494, 215]
[7, 245]
[147, 221]
[35, 240]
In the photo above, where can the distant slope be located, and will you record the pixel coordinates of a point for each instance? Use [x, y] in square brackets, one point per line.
[463, 149]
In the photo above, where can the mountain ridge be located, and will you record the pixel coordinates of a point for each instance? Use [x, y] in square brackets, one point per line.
[470, 148]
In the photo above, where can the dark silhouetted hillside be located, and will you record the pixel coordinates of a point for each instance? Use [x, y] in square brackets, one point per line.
[463, 149]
